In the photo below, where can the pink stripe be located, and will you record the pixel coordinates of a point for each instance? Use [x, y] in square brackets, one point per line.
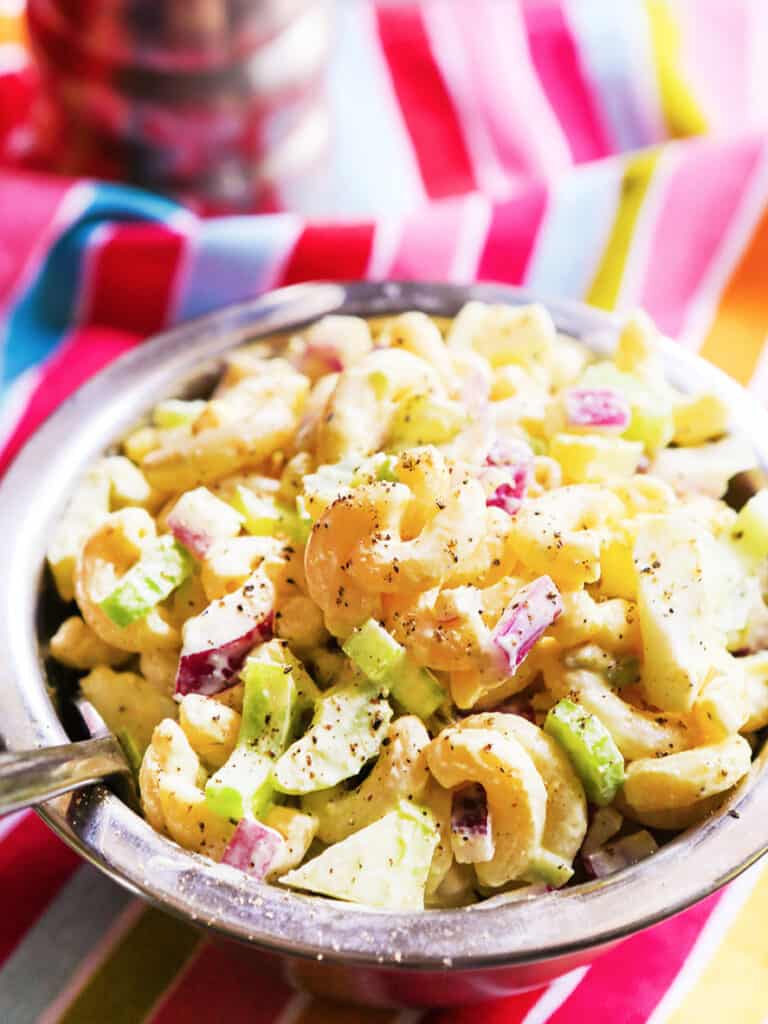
[556, 60]
[703, 194]
[628, 982]
[720, 75]
[428, 242]
[511, 237]
[84, 351]
[507, 91]
[28, 208]
[246, 989]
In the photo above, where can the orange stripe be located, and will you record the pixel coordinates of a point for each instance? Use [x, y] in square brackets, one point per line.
[11, 29]
[737, 335]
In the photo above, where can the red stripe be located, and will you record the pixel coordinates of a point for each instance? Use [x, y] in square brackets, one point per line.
[85, 351]
[557, 64]
[429, 113]
[330, 252]
[511, 1010]
[132, 277]
[243, 989]
[630, 980]
[511, 237]
[28, 206]
[34, 865]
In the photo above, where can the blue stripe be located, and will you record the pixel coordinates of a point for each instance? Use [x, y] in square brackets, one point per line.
[234, 258]
[46, 310]
[613, 39]
[73, 924]
[574, 231]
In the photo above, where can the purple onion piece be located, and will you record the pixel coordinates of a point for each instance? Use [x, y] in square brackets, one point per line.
[597, 407]
[622, 853]
[471, 833]
[517, 459]
[533, 610]
[253, 848]
[210, 670]
[195, 541]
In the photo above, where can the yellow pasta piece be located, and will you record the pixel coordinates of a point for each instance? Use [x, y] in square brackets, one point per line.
[699, 418]
[679, 780]
[516, 794]
[591, 458]
[612, 624]
[211, 728]
[75, 644]
[755, 669]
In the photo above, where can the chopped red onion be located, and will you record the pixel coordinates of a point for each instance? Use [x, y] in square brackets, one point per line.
[471, 834]
[253, 848]
[196, 541]
[320, 359]
[623, 853]
[217, 642]
[533, 610]
[517, 459]
[597, 407]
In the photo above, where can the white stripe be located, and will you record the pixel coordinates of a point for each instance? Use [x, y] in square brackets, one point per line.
[88, 967]
[709, 938]
[189, 228]
[703, 305]
[9, 823]
[291, 1013]
[640, 251]
[100, 236]
[554, 997]
[14, 401]
[12, 8]
[473, 231]
[13, 57]
[386, 241]
[451, 58]
[373, 165]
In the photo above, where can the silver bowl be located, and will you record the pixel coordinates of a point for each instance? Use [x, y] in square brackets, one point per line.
[434, 958]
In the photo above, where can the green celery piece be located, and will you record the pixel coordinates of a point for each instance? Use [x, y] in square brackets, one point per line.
[374, 651]
[383, 865]
[652, 415]
[265, 517]
[417, 689]
[387, 469]
[625, 672]
[243, 785]
[177, 413]
[164, 564]
[750, 531]
[595, 757]
[426, 419]
[347, 730]
[384, 661]
[131, 751]
[547, 867]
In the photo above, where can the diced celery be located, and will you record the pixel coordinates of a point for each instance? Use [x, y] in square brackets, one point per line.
[270, 703]
[374, 651]
[426, 419]
[131, 751]
[416, 689]
[383, 865]
[176, 413]
[591, 748]
[751, 527]
[164, 564]
[265, 517]
[348, 727]
[625, 672]
[384, 661]
[547, 867]
[386, 469]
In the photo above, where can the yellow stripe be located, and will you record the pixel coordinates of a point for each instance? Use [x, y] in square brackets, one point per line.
[11, 29]
[682, 113]
[734, 984]
[638, 171]
[136, 973]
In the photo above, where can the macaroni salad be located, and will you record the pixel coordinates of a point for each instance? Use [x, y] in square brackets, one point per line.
[418, 612]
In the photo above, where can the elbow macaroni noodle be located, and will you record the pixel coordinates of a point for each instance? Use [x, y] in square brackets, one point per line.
[421, 473]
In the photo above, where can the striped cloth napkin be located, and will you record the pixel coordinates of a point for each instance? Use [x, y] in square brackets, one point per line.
[515, 141]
